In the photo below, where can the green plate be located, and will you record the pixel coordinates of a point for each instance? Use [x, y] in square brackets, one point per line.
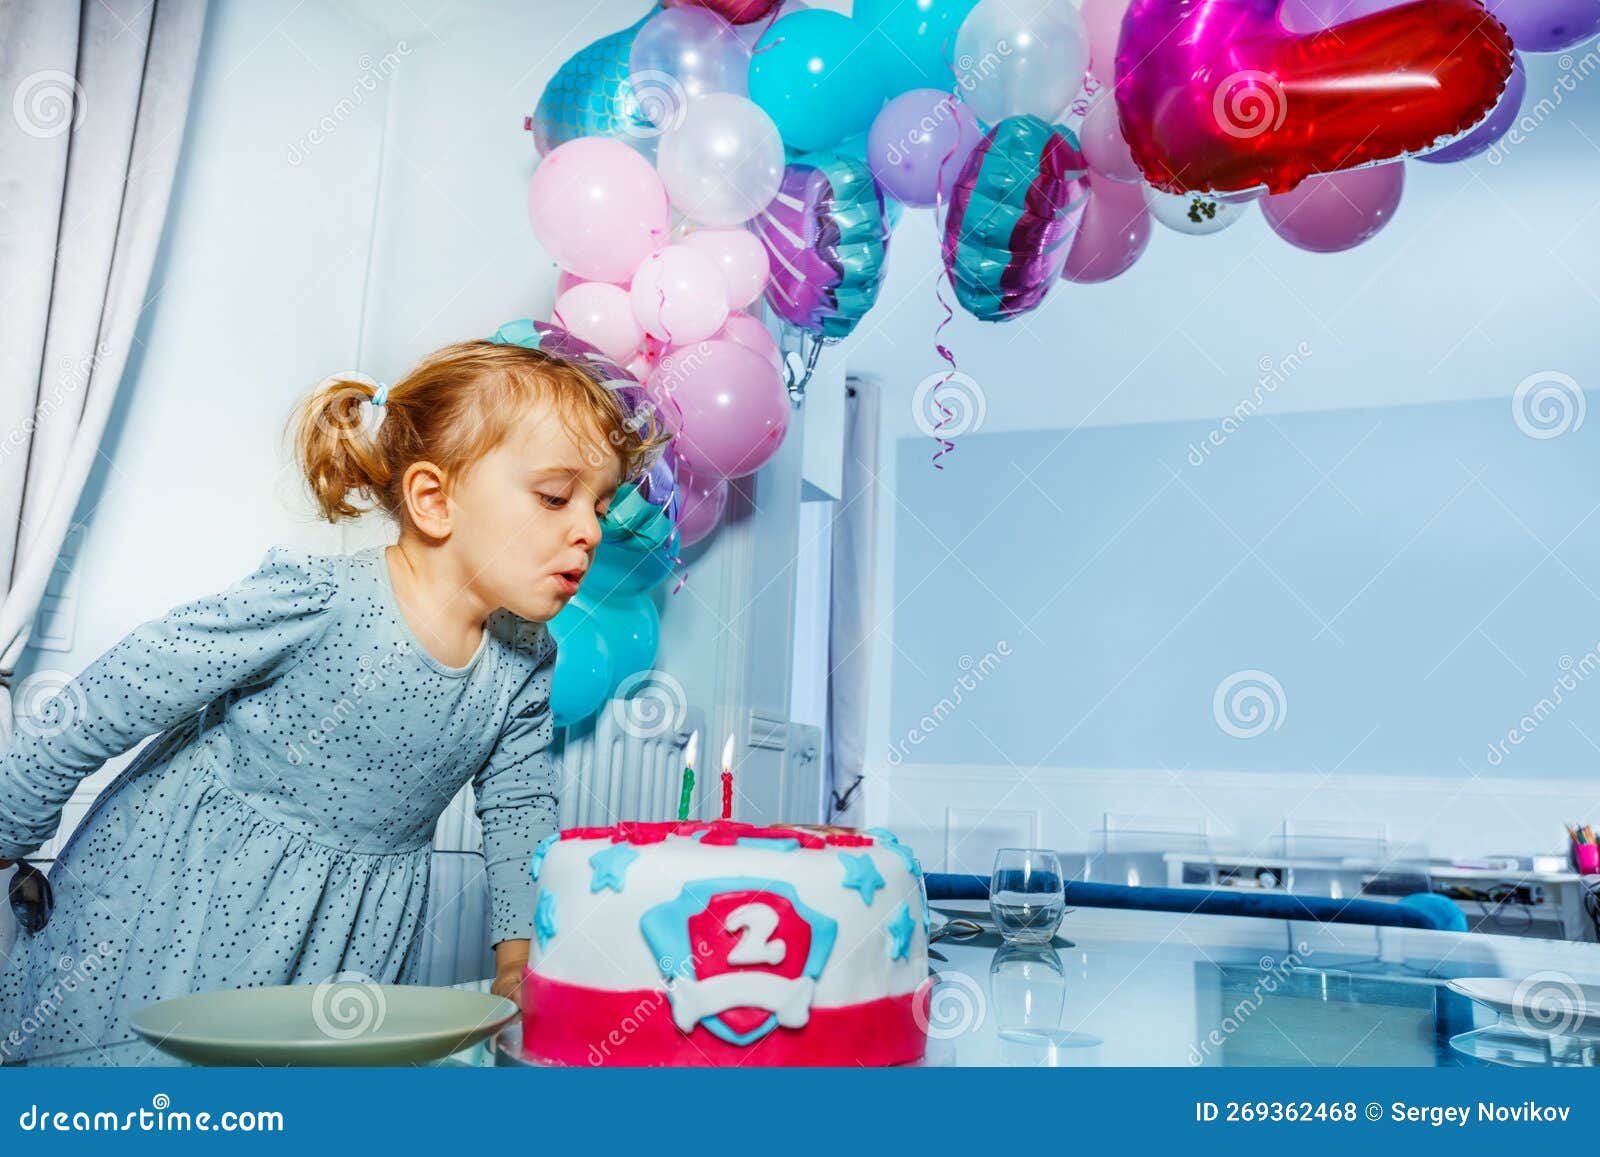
[333, 1023]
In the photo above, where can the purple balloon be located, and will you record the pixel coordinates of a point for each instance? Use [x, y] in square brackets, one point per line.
[1494, 126]
[918, 143]
[704, 500]
[659, 486]
[1547, 25]
[1329, 212]
[638, 405]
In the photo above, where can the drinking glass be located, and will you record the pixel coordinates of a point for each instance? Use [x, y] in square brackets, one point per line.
[1027, 896]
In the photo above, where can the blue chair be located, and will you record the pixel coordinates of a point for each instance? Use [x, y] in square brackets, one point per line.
[1423, 910]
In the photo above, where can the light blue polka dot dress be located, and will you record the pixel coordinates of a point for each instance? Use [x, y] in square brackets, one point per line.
[277, 829]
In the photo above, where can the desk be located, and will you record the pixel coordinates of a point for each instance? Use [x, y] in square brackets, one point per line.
[1158, 989]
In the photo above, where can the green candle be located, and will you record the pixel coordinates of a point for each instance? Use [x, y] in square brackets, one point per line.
[688, 789]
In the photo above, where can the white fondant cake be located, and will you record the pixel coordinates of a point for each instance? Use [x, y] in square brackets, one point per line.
[724, 943]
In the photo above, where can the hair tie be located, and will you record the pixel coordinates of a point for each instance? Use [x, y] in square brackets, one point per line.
[380, 395]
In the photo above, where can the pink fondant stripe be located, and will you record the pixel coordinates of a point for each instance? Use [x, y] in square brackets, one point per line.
[568, 1024]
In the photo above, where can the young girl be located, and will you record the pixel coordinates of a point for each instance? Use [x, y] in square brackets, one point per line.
[317, 717]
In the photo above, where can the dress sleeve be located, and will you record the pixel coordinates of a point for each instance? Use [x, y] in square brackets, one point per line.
[517, 793]
[160, 673]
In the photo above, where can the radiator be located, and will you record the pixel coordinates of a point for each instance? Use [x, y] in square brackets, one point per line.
[622, 770]
[612, 771]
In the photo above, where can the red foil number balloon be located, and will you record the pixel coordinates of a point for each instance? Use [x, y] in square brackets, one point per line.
[1216, 96]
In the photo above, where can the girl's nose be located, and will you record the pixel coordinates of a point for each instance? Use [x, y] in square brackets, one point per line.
[588, 530]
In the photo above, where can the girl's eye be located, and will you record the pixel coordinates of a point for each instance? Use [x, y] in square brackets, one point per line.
[553, 501]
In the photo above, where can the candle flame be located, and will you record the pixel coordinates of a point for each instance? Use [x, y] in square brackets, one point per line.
[727, 754]
[691, 751]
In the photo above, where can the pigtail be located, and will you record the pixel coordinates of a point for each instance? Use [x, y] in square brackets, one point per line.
[337, 447]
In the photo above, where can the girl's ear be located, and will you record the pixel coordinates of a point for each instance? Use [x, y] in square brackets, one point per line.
[426, 500]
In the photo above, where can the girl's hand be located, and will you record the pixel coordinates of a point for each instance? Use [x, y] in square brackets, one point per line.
[510, 958]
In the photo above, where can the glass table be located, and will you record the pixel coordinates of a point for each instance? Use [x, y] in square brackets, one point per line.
[1148, 989]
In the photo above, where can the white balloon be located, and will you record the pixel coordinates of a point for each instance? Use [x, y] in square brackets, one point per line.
[1194, 213]
[723, 162]
[1021, 56]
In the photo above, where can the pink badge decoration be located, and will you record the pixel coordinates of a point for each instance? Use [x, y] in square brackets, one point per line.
[1218, 96]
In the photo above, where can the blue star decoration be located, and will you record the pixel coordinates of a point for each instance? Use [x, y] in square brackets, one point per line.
[544, 917]
[539, 854]
[861, 874]
[610, 866]
[900, 930]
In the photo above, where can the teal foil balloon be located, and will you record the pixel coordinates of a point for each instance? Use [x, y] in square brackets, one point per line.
[590, 96]
[638, 550]
[827, 239]
[1013, 211]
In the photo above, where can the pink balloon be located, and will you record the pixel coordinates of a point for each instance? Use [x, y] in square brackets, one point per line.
[1102, 142]
[598, 208]
[726, 404]
[704, 500]
[750, 333]
[741, 257]
[1334, 211]
[1103, 18]
[1113, 233]
[643, 361]
[602, 315]
[679, 295]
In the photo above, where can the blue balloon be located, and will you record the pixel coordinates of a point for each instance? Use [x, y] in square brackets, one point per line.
[582, 677]
[811, 77]
[912, 43]
[631, 626]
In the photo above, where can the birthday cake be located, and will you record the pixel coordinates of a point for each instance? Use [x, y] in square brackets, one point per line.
[724, 943]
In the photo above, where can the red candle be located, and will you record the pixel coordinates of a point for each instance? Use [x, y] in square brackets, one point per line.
[727, 779]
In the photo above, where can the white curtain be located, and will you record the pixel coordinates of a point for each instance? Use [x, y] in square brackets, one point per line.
[855, 541]
[98, 93]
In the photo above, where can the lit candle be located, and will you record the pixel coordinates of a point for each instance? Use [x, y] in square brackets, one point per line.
[690, 752]
[727, 779]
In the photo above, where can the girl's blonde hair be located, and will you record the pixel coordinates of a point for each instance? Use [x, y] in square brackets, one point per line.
[456, 406]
